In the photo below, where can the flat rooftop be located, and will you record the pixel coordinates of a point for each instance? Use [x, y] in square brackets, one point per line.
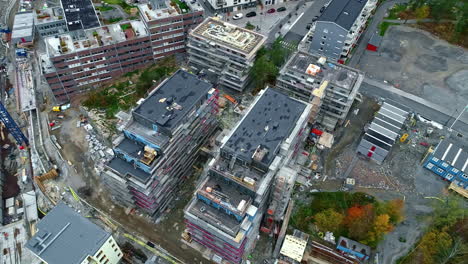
[227, 194]
[63, 234]
[80, 14]
[343, 12]
[158, 9]
[238, 172]
[97, 37]
[125, 168]
[232, 36]
[49, 15]
[23, 25]
[453, 153]
[172, 100]
[337, 74]
[217, 218]
[267, 124]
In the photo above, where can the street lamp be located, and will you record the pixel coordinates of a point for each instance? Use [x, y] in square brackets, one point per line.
[458, 117]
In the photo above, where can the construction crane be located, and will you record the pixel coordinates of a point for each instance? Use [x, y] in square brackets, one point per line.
[12, 127]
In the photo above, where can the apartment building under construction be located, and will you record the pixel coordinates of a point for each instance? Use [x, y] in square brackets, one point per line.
[224, 216]
[160, 144]
[304, 75]
[225, 51]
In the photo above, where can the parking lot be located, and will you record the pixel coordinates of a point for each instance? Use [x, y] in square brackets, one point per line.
[264, 21]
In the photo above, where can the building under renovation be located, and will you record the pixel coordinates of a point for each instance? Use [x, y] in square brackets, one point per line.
[158, 147]
[225, 51]
[383, 132]
[224, 216]
[305, 73]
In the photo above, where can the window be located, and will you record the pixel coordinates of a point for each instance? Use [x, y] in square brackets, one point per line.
[118, 255]
[455, 170]
[429, 165]
[98, 255]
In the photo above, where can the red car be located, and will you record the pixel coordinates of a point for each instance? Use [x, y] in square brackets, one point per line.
[271, 11]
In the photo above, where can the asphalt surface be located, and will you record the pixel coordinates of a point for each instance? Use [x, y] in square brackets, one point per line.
[377, 18]
[299, 30]
[423, 107]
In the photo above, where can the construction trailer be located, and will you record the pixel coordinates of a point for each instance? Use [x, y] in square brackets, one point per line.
[159, 145]
[224, 216]
[449, 160]
[383, 132]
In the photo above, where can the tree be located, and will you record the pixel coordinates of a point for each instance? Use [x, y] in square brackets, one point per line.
[329, 220]
[381, 227]
[432, 243]
[359, 221]
[394, 209]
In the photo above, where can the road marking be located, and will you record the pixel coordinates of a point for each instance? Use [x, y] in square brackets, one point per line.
[299, 17]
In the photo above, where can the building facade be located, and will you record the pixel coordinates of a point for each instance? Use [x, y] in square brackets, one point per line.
[224, 216]
[64, 236]
[168, 23]
[158, 147]
[74, 66]
[225, 51]
[339, 27]
[87, 56]
[304, 76]
[50, 21]
[225, 6]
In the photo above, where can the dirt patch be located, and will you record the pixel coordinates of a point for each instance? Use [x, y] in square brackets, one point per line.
[346, 136]
[417, 62]
[445, 31]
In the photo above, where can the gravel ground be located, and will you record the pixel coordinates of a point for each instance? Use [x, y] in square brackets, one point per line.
[416, 62]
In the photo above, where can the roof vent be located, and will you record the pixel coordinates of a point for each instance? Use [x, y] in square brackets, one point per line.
[266, 128]
[346, 13]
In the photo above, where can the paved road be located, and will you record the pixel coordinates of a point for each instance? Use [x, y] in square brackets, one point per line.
[299, 30]
[419, 105]
[371, 29]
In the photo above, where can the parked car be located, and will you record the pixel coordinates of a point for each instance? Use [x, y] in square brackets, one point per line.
[281, 9]
[322, 9]
[238, 16]
[251, 14]
[315, 18]
[271, 11]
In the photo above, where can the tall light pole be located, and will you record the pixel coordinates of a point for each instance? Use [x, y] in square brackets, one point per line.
[458, 117]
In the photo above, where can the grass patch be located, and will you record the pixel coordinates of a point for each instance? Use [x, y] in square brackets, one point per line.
[384, 26]
[249, 26]
[395, 11]
[122, 95]
[126, 7]
[104, 8]
[182, 6]
[113, 20]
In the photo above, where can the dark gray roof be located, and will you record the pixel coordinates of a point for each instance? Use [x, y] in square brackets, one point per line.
[126, 168]
[453, 153]
[267, 124]
[80, 14]
[183, 89]
[65, 236]
[343, 12]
